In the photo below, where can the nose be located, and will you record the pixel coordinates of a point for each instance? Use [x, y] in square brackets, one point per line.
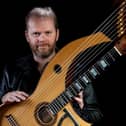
[41, 37]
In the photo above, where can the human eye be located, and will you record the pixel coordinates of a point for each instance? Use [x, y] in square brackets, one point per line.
[48, 33]
[36, 34]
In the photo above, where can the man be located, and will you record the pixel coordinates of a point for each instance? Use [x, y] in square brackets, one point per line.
[41, 33]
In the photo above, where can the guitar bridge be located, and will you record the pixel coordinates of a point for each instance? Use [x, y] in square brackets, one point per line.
[12, 121]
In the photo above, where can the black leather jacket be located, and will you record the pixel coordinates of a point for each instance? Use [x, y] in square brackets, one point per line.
[23, 75]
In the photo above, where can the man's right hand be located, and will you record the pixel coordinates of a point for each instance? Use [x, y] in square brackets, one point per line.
[14, 96]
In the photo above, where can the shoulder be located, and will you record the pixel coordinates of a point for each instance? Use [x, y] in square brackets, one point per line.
[24, 61]
[20, 63]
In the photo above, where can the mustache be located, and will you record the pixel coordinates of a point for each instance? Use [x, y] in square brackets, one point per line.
[43, 44]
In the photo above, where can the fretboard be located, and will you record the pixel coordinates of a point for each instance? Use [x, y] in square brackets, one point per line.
[83, 80]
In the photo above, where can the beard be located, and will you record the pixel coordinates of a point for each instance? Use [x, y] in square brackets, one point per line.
[43, 51]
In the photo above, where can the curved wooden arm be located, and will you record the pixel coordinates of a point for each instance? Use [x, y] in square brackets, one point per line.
[121, 45]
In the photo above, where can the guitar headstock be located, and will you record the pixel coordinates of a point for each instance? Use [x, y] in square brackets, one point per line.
[121, 19]
[121, 28]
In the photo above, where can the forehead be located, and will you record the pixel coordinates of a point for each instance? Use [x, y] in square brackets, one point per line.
[41, 23]
[41, 20]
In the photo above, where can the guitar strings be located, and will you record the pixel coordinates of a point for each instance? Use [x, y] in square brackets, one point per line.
[85, 56]
[100, 52]
[88, 57]
[52, 77]
[75, 61]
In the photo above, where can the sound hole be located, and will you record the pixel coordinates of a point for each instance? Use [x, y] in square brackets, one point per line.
[43, 115]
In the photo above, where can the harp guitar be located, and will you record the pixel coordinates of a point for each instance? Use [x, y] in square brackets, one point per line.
[50, 103]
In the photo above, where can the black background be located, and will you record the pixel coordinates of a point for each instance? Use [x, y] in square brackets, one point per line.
[77, 18]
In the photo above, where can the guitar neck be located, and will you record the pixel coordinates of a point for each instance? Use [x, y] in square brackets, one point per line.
[101, 65]
[115, 25]
[121, 19]
[83, 80]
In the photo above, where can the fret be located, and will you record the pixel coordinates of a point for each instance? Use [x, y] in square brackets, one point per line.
[77, 86]
[73, 90]
[103, 64]
[61, 100]
[65, 97]
[69, 94]
[94, 72]
[54, 108]
[57, 103]
[50, 108]
[85, 78]
[111, 56]
[107, 59]
[114, 53]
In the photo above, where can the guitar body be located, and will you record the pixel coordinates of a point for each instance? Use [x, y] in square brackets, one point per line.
[50, 85]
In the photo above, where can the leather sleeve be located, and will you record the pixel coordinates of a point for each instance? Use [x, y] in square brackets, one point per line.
[91, 111]
[4, 83]
[17, 76]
